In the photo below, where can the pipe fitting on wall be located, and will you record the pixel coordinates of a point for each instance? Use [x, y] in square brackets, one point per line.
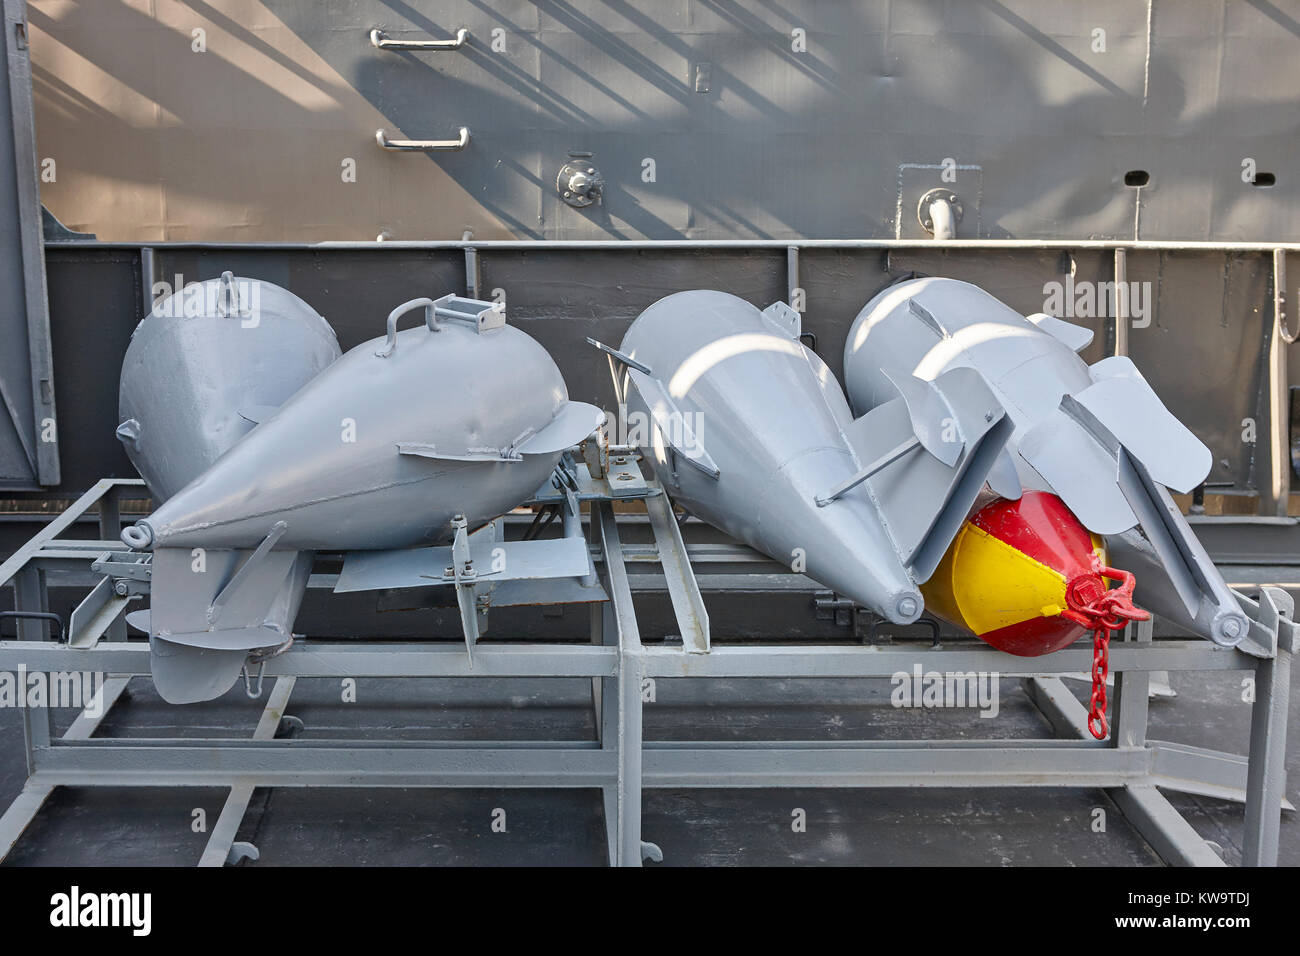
[939, 212]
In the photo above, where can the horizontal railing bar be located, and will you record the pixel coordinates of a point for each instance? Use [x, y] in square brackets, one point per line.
[373, 659]
[781, 245]
[785, 660]
[288, 764]
[359, 659]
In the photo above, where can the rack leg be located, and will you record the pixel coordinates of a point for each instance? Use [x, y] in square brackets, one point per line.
[1154, 817]
[1161, 825]
[1266, 772]
[221, 848]
[30, 594]
[1132, 694]
[604, 692]
[23, 810]
[629, 760]
[630, 850]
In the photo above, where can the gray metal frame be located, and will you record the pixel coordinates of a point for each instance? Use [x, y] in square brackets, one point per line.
[22, 263]
[1129, 765]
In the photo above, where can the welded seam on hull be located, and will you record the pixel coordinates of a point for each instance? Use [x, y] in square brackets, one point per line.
[202, 526]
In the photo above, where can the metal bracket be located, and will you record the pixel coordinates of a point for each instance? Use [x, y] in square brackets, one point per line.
[484, 315]
[131, 571]
[619, 356]
[246, 571]
[565, 480]
[848, 484]
[92, 618]
[253, 691]
[832, 607]
[622, 480]
[465, 576]
[683, 589]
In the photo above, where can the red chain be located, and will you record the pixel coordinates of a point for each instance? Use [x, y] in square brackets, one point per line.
[1098, 726]
[1102, 612]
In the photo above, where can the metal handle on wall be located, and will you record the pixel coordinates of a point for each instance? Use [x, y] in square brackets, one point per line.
[381, 40]
[381, 137]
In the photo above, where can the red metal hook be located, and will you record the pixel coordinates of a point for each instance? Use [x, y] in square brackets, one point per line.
[1101, 611]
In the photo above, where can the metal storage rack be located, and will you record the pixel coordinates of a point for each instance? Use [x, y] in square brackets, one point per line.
[621, 762]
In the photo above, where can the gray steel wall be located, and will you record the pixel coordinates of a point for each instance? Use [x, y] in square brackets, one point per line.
[1203, 350]
[797, 119]
[834, 141]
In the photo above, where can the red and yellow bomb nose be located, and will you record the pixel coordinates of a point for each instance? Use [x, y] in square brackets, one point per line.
[1024, 575]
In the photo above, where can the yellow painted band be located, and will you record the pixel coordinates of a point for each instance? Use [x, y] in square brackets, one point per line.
[997, 585]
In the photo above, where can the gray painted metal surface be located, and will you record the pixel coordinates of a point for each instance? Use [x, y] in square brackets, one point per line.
[29, 441]
[387, 444]
[622, 763]
[748, 429]
[207, 364]
[1097, 436]
[1062, 207]
[804, 119]
[1202, 350]
[400, 442]
[784, 122]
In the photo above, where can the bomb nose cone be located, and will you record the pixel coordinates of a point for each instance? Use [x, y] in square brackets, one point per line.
[138, 537]
[844, 546]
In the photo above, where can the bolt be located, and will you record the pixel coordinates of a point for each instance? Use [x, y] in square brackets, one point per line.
[1232, 627]
[907, 606]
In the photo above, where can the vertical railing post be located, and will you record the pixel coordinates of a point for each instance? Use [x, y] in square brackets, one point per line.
[1279, 425]
[1266, 769]
[1121, 302]
[1132, 689]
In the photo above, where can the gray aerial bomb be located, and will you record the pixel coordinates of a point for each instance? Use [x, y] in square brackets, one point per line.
[465, 415]
[1096, 436]
[202, 369]
[398, 443]
[205, 366]
[748, 429]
